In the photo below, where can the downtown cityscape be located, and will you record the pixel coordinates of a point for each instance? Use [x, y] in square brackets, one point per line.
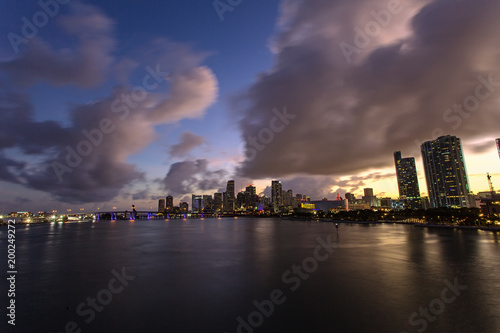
[264, 166]
[445, 174]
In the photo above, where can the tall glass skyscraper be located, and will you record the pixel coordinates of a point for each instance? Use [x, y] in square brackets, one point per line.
[406, 172]
[445, 172]
[230, 198]
[276, 195]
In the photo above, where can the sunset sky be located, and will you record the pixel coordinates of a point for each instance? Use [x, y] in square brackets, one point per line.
[107, 104]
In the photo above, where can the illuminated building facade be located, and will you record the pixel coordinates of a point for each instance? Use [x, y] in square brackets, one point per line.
[445, 173]
[169, 203]
[406, 172]
[230, 198]
[161, 206]
[276, 195]
[197, 203]
[218, 202]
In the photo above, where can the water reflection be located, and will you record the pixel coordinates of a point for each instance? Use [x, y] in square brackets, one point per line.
[201, 275]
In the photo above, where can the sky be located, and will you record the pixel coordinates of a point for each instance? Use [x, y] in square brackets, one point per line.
[107, 105]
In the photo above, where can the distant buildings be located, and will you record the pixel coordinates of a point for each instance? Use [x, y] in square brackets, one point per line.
[369, 198]
[350, 197]
[406, 172]
[445, 173]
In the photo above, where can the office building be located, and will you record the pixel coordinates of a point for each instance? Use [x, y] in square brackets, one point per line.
[350, 197]
[230, 198]
[196, 204]
[369, 198]
[406, 174]
[169, 203]
[251, 197]
[445, 173]
[218, 203]
[184, 207]
[276, 195]
[161, 206]
[208, 204]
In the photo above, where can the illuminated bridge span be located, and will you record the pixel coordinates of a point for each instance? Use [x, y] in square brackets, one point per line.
[144, 215]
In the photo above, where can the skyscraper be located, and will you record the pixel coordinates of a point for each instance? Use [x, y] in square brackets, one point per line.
[406, 172]
[276, 195]
[250, 197]
[161, 206]
[208, 203]
[218, 202]
[169, 203]
[230, 196]
[197, 203]
[445, 172]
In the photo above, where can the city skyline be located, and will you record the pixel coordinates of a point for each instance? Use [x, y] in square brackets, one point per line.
[104, 106]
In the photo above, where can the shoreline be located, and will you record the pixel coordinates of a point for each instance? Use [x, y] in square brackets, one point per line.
[423, 225]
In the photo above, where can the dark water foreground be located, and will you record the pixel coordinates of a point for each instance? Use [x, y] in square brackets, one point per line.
[252, 275]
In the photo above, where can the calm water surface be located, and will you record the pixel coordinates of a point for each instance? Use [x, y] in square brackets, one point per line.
[204, 276]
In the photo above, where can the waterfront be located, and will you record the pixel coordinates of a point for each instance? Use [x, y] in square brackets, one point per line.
[202, 275]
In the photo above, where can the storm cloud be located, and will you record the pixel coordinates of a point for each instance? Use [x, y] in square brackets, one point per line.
[429, 69]
[189, 177]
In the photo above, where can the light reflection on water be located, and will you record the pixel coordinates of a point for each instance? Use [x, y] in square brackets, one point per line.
[201, 275]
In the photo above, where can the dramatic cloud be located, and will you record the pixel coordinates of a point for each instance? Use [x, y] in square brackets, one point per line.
[83, 66]
[189, 141]
[88, 160]
[192, 176]
[400, 82]
[320, 187]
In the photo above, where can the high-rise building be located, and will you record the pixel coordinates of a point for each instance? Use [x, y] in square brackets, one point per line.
[369, 198]
[445, 172]
[288, 198]
[276, 195]
[229, 207]
[251, 197]
[161, 206]
[406, 174]
[184, 207]
[218, 202]
[240, 200]
[169, 203]
[196, 203]
[208, 203]
[350, 197]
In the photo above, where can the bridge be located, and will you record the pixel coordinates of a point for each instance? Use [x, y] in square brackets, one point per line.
[141, 215]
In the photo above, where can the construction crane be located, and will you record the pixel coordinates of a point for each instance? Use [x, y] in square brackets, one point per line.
[492, 190]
